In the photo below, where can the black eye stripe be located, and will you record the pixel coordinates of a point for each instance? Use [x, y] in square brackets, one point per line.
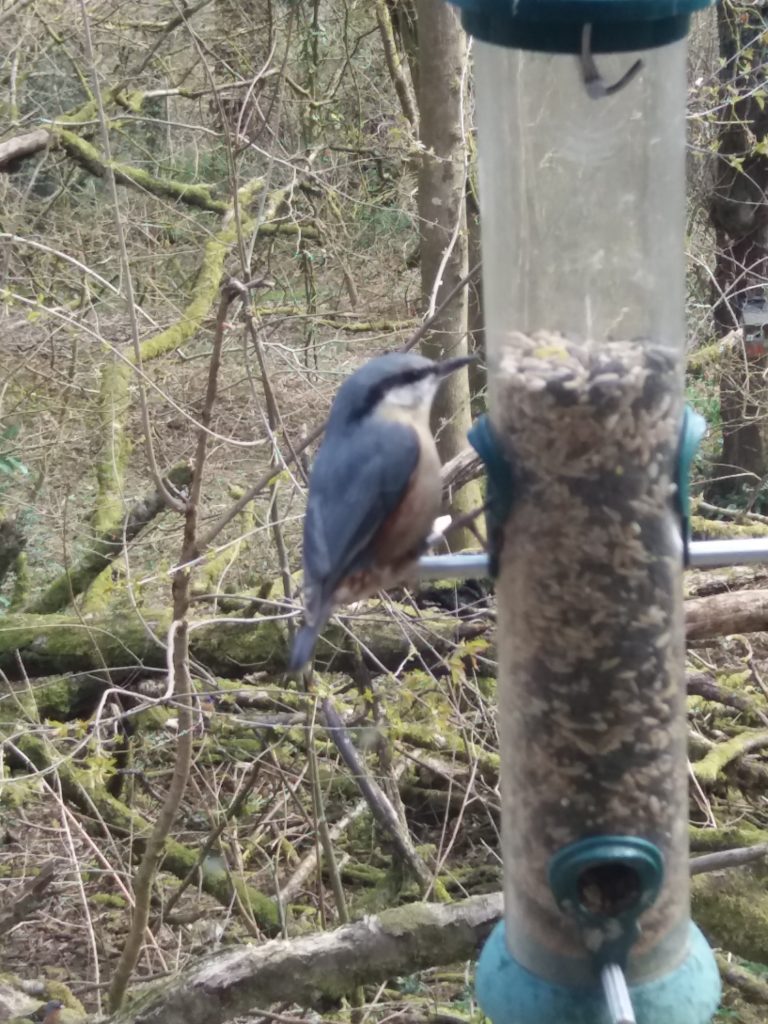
[399, 380]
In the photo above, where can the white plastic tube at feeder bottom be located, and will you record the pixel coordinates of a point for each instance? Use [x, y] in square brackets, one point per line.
[591, 686]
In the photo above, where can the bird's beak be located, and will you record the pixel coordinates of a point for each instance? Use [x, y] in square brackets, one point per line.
[448, 366]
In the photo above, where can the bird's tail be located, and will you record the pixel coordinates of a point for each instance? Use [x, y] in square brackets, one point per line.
[303, 646]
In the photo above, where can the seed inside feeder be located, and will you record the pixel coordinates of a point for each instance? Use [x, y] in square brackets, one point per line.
[590, 577]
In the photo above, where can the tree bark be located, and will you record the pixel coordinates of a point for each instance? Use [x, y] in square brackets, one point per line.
[320, 967]
[739, 212]
[56, 644]
[14, 151]
[12, 543]
[443, 225]
[743, 611]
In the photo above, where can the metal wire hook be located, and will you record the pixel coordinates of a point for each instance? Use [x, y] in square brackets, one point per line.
[593, 80]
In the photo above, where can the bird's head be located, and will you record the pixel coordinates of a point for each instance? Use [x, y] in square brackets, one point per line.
[396, 386]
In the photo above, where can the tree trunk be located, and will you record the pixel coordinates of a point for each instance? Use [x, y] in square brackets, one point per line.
[443, 223]
[476, 318]
[739, 213]
[12, 543]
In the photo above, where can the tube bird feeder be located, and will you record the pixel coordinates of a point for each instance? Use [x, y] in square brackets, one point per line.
[580, 108]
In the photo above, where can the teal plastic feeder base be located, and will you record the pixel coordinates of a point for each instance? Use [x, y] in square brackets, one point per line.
[510, 994]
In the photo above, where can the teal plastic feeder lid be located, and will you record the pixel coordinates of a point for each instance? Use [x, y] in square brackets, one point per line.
[555, 26]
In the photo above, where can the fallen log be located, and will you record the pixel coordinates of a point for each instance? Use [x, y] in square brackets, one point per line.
[320, 967]
[57, 644]
[21, 147]
[741, 611]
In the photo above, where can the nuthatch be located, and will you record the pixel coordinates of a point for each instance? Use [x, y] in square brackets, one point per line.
[50, 1013]
[374, 489]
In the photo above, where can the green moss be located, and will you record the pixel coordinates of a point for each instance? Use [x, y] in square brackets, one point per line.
[709, 767]
[364, 874]
[263, 907]
[427, 738]
[21, 582]
[109, 899]
[208, 279]
[712, 528]
[51, 644]
[55, 697]
[89, 157]
[306, 230]
[710, 840]
[734, 680]
[54, 644]
[58, 990]
[132, 101]
[731, 908]
[261, 643]
[113, 405]
[101, 589]
[88, 112]
[93, 573]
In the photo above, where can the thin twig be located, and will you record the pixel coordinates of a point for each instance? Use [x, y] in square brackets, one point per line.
[179, 677]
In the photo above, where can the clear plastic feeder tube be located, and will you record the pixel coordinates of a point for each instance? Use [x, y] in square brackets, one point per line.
[582, 205]
[582, 199]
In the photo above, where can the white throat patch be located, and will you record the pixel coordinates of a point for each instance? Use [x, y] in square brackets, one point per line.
[413, 396]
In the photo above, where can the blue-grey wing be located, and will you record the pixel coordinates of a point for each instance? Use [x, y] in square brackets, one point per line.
[357, 481]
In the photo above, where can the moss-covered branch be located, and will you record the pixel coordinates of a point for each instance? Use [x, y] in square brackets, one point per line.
[337, 322]
[722, 754]
[53, 644]
[710, 840]
[90, 159]
[208, 280]
[714, 528]
[427, 737]
[114, 402]
[116, 374]
[104, 549]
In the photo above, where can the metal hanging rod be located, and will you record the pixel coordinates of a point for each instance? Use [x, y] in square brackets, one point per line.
[704, 554]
